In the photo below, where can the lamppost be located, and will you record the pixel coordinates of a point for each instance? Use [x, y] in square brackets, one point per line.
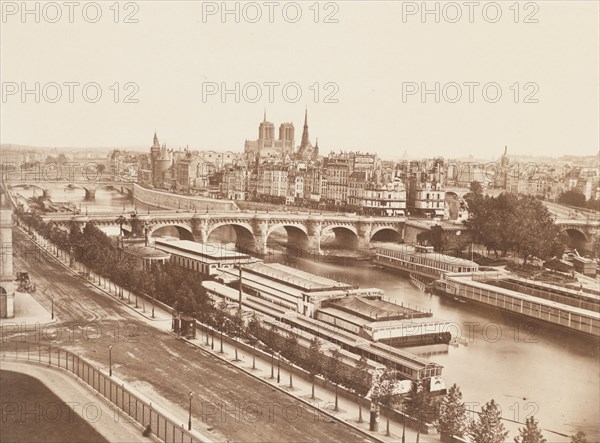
[278, 366]
[190, 412]
[110, 361]
[52, 310]
[403, 424]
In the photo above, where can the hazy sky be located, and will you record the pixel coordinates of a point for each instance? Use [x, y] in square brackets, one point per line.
[365, 61]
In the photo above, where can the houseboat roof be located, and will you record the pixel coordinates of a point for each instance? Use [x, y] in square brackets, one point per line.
[211, 251]
[415, 250]
[294, 277]
[467, 280]
[372, 308]
[148, 252]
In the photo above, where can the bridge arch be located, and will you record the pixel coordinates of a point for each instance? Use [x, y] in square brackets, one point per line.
[184, 231]
[297, 237]
[114, 186]
[244, 237]
[26, 186]
[385, 234]
[574, 238]
[344, 237]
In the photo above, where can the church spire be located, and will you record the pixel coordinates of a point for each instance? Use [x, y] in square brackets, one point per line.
[305, 141]
[155, 142]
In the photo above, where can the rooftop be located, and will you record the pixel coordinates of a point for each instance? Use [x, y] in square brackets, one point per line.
[373, 308]
[294, 277]
[214, 251]
[147, 252]
[408, 249]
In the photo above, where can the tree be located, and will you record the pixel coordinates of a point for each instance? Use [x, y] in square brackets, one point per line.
[314, 361]
[291, 348]
[579, 438]
[593, 204]
[433, 237]
[385, 394]
[511, 223]
[535, 232]
[253, 330]
[572, 197]
[453, 415]
[335, 372]
[419, 403]
[530, 433]
[361, 380]
[488, 428]
[476, 188]
[237, 324]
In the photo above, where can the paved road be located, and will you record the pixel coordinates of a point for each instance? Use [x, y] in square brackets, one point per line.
[166, 368]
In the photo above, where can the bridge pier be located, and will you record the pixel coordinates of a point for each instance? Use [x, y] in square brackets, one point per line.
[47, 194]
[314, 244]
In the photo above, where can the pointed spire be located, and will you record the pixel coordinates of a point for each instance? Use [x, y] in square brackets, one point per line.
[305, 141]
[155, 142]
[265, 115]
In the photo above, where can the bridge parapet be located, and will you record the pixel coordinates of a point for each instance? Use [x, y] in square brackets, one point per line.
[306, 229]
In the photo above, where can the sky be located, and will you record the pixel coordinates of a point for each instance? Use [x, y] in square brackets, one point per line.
[524, 76]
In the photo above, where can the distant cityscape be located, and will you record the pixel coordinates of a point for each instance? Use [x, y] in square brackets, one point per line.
[280, 172]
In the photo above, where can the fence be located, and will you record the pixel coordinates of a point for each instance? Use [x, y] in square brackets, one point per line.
[164, 428]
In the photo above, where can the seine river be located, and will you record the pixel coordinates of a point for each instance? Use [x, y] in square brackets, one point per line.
[528, 368]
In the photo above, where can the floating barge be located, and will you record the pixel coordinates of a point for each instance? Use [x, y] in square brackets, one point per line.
[420, 260]
[540, 303]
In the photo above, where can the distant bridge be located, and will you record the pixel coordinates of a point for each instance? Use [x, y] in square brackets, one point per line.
[252, 229]
[90, 186]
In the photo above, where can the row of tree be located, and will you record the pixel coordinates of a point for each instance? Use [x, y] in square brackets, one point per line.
[168, 283]
[488, 426]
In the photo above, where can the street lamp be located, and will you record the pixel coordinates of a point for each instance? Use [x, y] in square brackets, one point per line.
[190, 412]
[110, 361]
[52, 303]
[403, 424]
[278, 366]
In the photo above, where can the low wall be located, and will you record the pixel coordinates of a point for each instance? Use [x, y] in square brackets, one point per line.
[167, 200]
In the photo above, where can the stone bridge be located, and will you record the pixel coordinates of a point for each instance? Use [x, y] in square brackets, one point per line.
[90, 186]
[306, 231]
[580, 230]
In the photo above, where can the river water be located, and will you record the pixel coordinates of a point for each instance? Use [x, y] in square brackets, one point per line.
[528, 368]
